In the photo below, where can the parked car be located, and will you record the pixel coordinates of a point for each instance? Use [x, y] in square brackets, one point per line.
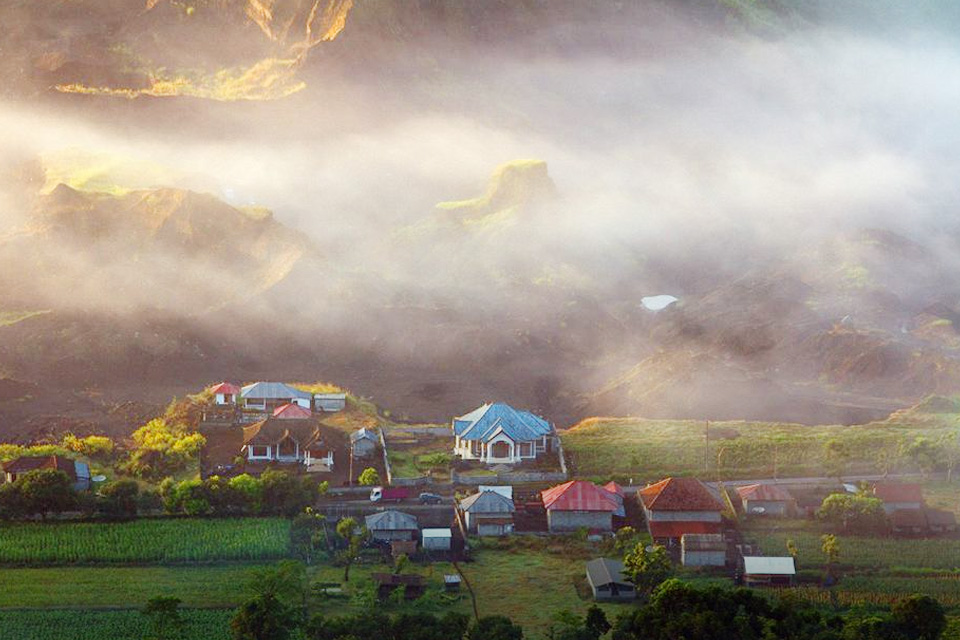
[430, 498]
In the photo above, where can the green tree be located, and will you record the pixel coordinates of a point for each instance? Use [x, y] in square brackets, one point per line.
[46, 491]
[285, 494]
[163, 615]
[251, 490]
[119, 499]
[853, 513]
[647, 568]
[495, 628]
[925, 454]
[264, 617]
[624, 538]
[354, 536]
[836, 455]
[596, 622]
[831, 549]
[369, 477]
[920, 617]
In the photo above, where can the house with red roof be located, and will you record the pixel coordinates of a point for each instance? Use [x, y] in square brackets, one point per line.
[291, 411]
[225, 393]
[579, 504]
[897, 496]
[78, 472]
[766, 500]
[677, 506]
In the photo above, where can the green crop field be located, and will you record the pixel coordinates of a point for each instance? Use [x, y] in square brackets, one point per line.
[67, 624]
[144, 541]
[206, 586]
[651, 449]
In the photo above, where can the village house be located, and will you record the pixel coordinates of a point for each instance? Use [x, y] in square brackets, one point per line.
[678, 506]
[607, 581]
[225, 393]
[940, 521]
[579, 504]
[908, 522]
[412, 584]
[488, 513]
[766, 500]
[268, 396]
[897, 496]
[436, 539]
[330, 402]
[703, 550]
[363, 442]
[499, 434]
[768, 571]
[78, 472]
[287, 441]
[391, 525]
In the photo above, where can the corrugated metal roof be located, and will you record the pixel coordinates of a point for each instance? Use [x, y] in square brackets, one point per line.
[605, 571]
[291, 412]
[505, 490]
[226, 388]
[487, 502]
[363, 433]
[272, 390]
[764, 493]
[437, 533]
[391, 521]
[484, 422]
[898, 492]
[769, 566]
[579, 495]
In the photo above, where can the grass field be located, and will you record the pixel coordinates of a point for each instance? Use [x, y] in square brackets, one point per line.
[125, 586]
[66, 624]
[144, 541]
[651, 449]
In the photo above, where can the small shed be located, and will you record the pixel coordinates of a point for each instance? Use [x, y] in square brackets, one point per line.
[703, 550]
[412, 584]
[392, 525]
[488, 513]
[330, 402]
[607, 582]
[762, 571]
[451, 581]
[897, 496]
[436, 539]
[363, 442]
[225, 393]
[766, 500]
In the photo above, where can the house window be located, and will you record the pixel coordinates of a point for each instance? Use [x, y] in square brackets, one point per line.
[501, 449]
[259, 451]
[526, 449]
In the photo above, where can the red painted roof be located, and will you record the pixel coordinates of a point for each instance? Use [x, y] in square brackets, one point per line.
[679, 494]
[764, 493]
[291, 412]
[613, 487]
[578, 495]
[32, 463]
[680, 529]
[226, 388]
[898, 492]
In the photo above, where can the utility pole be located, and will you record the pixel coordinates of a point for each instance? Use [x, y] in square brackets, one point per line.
[706, 445]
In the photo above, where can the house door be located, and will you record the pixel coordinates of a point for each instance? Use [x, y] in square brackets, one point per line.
[501, 449]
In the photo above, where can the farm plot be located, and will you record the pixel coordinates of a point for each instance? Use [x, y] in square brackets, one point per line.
[69, 624]
[419, 451]
[144, 541]
[651, 449]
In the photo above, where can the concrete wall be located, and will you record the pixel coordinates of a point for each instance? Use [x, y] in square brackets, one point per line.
[559, 521]
[704, 558]
[393, 535]
[683, 516]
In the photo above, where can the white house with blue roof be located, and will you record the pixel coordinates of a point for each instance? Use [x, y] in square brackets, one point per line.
[499, 434]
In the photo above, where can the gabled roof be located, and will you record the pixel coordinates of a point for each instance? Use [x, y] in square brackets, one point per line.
[363, 434]
[487, 502]
[579, 495]
[291, 411]
[941, 518]
[769, 566]
[764, 493]
[613, 487]
[391, 521]
[226, 388]
[606, 571]
[26, 464]
[272, 390]
[909, 518]
[272, 430]
[484, 422]
[893, 492]
[679, 494]
[667, 529]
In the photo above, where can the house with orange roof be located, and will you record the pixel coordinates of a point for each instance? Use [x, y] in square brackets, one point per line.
[677, 506]
[579, 504]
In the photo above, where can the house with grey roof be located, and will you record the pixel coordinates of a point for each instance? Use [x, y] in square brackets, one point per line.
[363, 442]
[268, 396]
[607, 581]
[488, 513]
[330, 402]
[392, 525]
[499, 434]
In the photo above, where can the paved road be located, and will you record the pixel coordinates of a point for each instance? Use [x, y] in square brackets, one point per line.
[853, 479]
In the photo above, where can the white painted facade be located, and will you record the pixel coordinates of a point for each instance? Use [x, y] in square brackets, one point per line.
[500, 449]
[225, 398]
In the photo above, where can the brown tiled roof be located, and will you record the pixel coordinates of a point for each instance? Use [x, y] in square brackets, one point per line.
[32, 463]
[909, 518]
[898, 492]
[679, 494]
[764, 493]
[272, 430]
